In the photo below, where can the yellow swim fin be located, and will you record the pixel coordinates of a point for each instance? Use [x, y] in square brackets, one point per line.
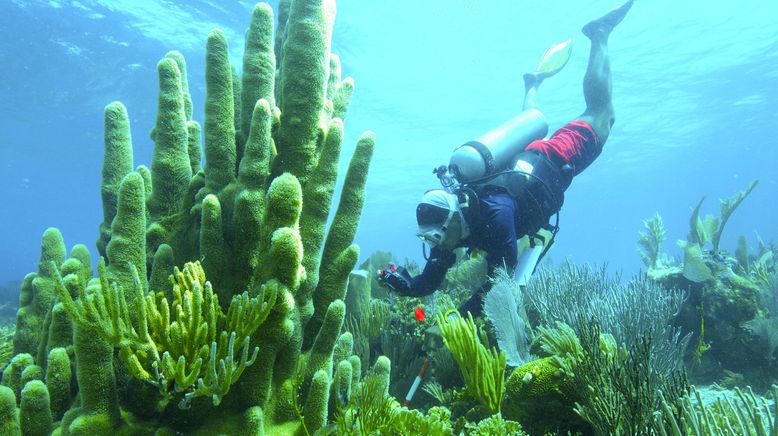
[554, 59]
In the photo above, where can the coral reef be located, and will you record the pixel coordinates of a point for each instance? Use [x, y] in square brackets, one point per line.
[570, 294]
[274, 312]
[731, 306]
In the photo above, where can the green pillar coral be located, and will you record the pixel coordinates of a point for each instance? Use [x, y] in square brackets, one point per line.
[343, 381]
[286, 250]
[315, 411]
[356, 369]
[382, 370]
[176, 56]
[145, 172]
[37, 294]
[58, 377]
[334, 77]
[237, 115]
[170, 168]
[32, 372]
[99, 409]
[280, 37]
[318, 197]
[83, 268]
[212, 242]
[9, 418]
[255, 165]
[245, 210]
[117, 163]
[343, 347]
[304, 75]
[34, 412]
[161, 271]
[259, 64]
[284, 203]
[346, 220]
[336, 259]
[320, 357]
[128, 242]
[331, 287]
[219, 129]
[250, 200]
[12, 374]
[194, 146]
[254, 421]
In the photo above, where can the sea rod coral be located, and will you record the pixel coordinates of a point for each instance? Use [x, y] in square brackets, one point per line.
[255, 216]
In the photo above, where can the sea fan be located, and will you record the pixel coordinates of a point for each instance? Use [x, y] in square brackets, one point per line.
[501, 306]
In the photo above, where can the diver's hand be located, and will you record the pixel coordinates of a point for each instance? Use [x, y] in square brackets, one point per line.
[395, 278]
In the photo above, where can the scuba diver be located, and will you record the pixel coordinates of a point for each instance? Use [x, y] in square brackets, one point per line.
[510, 182]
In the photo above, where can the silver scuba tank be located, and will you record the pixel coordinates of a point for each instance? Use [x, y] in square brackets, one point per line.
[494, 149]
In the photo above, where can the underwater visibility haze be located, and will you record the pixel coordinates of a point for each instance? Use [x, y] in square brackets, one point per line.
[248, 190]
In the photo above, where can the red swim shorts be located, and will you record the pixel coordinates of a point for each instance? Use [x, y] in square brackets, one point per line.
[575, 144]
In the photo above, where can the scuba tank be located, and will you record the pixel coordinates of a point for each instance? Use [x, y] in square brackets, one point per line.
[494, 150]
[497, 160]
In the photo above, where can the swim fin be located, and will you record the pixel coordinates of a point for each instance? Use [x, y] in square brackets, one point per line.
[554, 59]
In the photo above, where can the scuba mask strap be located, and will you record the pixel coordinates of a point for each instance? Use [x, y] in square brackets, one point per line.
[455, 207]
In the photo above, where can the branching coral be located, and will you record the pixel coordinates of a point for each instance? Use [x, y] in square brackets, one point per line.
[650, 241]
[483, 369]
[628, 311]
[618, 384]
[195, 351]
[746, 415]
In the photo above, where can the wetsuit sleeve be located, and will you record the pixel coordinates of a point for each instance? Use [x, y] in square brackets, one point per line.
[434, 271]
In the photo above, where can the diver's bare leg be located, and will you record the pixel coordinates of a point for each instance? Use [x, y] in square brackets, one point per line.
[531, 83]
[597, 86]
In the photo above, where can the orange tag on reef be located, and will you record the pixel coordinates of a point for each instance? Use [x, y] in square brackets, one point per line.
[419, 314]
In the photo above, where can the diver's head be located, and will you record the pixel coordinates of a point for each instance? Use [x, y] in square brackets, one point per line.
[440, 219]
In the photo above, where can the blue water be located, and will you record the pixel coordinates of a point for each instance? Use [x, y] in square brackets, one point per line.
[695, 91]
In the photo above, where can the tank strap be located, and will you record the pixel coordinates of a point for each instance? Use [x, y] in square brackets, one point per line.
[485, 153]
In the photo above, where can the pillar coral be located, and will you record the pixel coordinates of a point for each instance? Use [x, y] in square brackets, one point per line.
[255, 215]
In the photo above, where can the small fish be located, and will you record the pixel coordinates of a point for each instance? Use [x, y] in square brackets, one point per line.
[419, 314]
